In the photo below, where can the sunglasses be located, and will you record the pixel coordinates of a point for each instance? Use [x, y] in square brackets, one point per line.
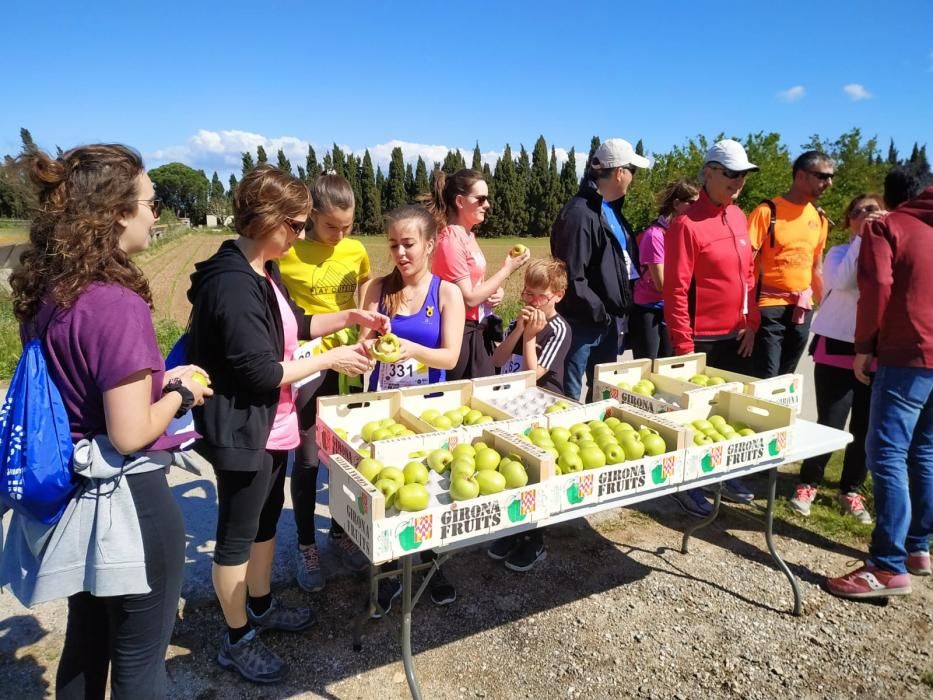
[631, 168]
[862, 211]
[297, 226]
[154, 204]
[822, 176]
[480, 198]
[731, 174]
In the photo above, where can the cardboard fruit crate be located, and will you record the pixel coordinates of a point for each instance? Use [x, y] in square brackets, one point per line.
[626, 480]
[676, 393]
[785, 389]
[444, 397]
[386, 534]
[772, 423]
[489, 392]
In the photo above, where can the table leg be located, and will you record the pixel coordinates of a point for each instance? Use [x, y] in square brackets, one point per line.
[685, 542]
[368, 610]
[407, 660]
[769, 538]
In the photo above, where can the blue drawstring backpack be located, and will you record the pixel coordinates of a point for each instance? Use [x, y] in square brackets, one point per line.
[35, 442]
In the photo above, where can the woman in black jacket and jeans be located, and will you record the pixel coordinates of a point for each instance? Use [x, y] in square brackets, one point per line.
[244, 331]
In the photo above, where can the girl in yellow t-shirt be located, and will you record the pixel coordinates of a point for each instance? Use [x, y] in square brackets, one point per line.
[323, 273]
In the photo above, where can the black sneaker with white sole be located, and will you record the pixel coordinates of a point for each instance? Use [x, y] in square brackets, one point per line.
[442, 592]
[528, 553]
[503, 547]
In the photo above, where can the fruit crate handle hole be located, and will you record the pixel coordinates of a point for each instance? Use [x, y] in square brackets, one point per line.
[758, 410]
[434, 395]
[355, 406]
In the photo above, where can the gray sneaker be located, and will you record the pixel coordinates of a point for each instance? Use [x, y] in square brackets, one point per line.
[278, 617]
[308, 569]
[252, 659]
[351, 555]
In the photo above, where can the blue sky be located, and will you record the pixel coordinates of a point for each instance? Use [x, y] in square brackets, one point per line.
[200, 81]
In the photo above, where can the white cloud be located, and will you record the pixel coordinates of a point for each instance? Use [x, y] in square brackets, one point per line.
[222, 151]
[792, 94]
[856, 92]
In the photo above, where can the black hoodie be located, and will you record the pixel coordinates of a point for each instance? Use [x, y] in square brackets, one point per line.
[598, 286]
[236, 335]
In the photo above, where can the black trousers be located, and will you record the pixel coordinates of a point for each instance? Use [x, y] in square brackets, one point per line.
[475, 355]
[648, 334]
[838, 392]
[780, 342]
[128, 635]
[724, 354]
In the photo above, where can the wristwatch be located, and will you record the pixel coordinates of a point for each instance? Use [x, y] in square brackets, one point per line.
[187, 398]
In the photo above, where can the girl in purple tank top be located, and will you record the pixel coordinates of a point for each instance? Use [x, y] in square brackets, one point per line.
[427, 313]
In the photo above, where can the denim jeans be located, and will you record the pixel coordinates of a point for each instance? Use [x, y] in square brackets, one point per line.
[900, 457]
[589, 346]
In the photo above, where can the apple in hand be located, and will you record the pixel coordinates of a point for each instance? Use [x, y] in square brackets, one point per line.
[517, 249]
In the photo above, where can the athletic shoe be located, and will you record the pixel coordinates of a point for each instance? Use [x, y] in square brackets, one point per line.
[804, 495]
[389, 590]
[351, 555]
[852, 504]
[528, 553]
[869, 582]
[503, 547]
[918, 563]
[308, 569]
[279, 617]
[693, 502]
[442, 592]
[252, 659]
[736, 491]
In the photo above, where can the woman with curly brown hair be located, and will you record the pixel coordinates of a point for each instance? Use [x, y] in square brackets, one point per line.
[245, 330]
[78, 289]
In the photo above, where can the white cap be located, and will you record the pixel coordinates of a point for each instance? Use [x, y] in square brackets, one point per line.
[731, 155]
[616, 153]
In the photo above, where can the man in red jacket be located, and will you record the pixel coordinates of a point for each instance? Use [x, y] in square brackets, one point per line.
[709, 281]
[895, 324]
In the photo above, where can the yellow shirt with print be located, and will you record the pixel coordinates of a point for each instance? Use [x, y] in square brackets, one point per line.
[799, 238]
[323, 278]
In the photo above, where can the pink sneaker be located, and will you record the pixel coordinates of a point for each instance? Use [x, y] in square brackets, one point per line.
[918, 563]
[869, 582]
[853, 505]
[803, 497]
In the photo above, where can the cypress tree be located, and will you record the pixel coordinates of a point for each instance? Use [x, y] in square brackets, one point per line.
[339, 160]
[477, 163]
[233, 184]
[352, 173]
[594, 144]
[302, 175]
[892, 153]
[370, 206]
[261, 157]
[248, 164]
[312, 168]
[395, 183]
[410, 184]
[568, 177]
[640, 148]
[422, 185]
[283, 163]
[508, 216]
[381, 186]
[217, 187]
[539, 190]
[328, 164]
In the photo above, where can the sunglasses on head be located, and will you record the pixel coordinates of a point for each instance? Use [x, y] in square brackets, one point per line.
[297, 226]
[154, 204]
[731, 174]
[822, 176]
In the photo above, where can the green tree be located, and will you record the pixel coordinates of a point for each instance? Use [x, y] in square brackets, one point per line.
[410, 183]
[233, 183]
[640, 148]
[594, 144]
[328, 165]
[453, 162]
[302, 174]
[370, 199]
[422, 185]
[352, 173]
[477, 163]
[312, 168]
[381, 186]
[569, 183]
[261, 157]
[543, 195]
[395, 195]
[184, 190]
[508, 215]
[29, 146]
[892, 154]
[248, 163]
[339, 161]
[218, 202]
[283, 163]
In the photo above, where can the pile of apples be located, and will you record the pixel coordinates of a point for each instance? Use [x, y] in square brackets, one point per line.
[405, 489]
[477, 470]
[531, 403]
[706, 380]
[645, 387]
[382, 430]
[454, 418]
[596, 444]
[717, 429]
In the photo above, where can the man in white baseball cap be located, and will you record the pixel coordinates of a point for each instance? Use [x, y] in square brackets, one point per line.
[596, 243]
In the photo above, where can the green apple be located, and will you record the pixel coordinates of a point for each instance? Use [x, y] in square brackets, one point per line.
[701, 439]
[415, 473]
[479, 446]
[484, 420]
[442, 423]
[487, 459]
[386, 349]
[555, 407]
[429, 414]
[592, 457]
[472, 417]
[702, 424]
[463, 489]
[654, 445]
[463, 450]
[614, 454]
[461, 469]
[644, 431]
[716, 381]
[394, 473]
[647, 386]
[569, 462]
[370, 468]
[490, 482]
[397, 430]
[439, 460]
[612, 422]
[388, 488]
[624, 386]
[551, 451]
[728, 432]
[716, 437]
[515, 475]
[623, 427]
[455, 418]
[517, 249]
[739, 425]
[642, 389]
[595, 424]
[699, 380]
[633, 446]
[745, 432]
[579, 428]
[571, 447]
[381, 434]
[368, 429]
[341, 433]
[717, 421]
[560, 435]
[539, 433]
[463, 410]
[386, 422]
[412, 497]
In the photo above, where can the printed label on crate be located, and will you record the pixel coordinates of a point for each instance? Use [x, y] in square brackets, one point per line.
[579, 490]
[414, 533]
[645, 403]
[724, 456]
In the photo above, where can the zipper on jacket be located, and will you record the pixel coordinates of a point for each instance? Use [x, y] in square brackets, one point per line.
[738, 260]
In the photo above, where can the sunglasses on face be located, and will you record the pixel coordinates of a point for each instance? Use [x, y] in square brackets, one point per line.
[297, 226]
[822, 176]
[863, 211]
[481, 199]
[154, 204]
[731, 174]
[631, 168]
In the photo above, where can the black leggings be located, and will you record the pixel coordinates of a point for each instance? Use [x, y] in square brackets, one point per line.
[648, 333]
[304, 489]
[128, 635]
[837, 392]
[249, 505]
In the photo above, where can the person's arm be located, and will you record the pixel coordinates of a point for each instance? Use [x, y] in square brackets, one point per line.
[476, 294]
[651, 252]
[533, 326]
[506, 348]
[759, 222]
[840, 268]
[817, 283]
[875, 280]
[572, 242]
[325, 324]
[679, 260]
[370, 294]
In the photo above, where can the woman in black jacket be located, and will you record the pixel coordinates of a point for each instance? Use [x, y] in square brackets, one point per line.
[244, 333]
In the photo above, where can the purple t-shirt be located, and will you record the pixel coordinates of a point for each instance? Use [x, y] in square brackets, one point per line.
[650, 251]
[106, 336]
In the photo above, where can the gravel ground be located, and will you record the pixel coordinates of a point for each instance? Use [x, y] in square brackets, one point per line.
[614, 611]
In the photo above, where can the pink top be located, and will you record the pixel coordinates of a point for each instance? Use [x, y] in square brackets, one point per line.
[820, 356]
[650, 251]
[458, 256]
[284, 435]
